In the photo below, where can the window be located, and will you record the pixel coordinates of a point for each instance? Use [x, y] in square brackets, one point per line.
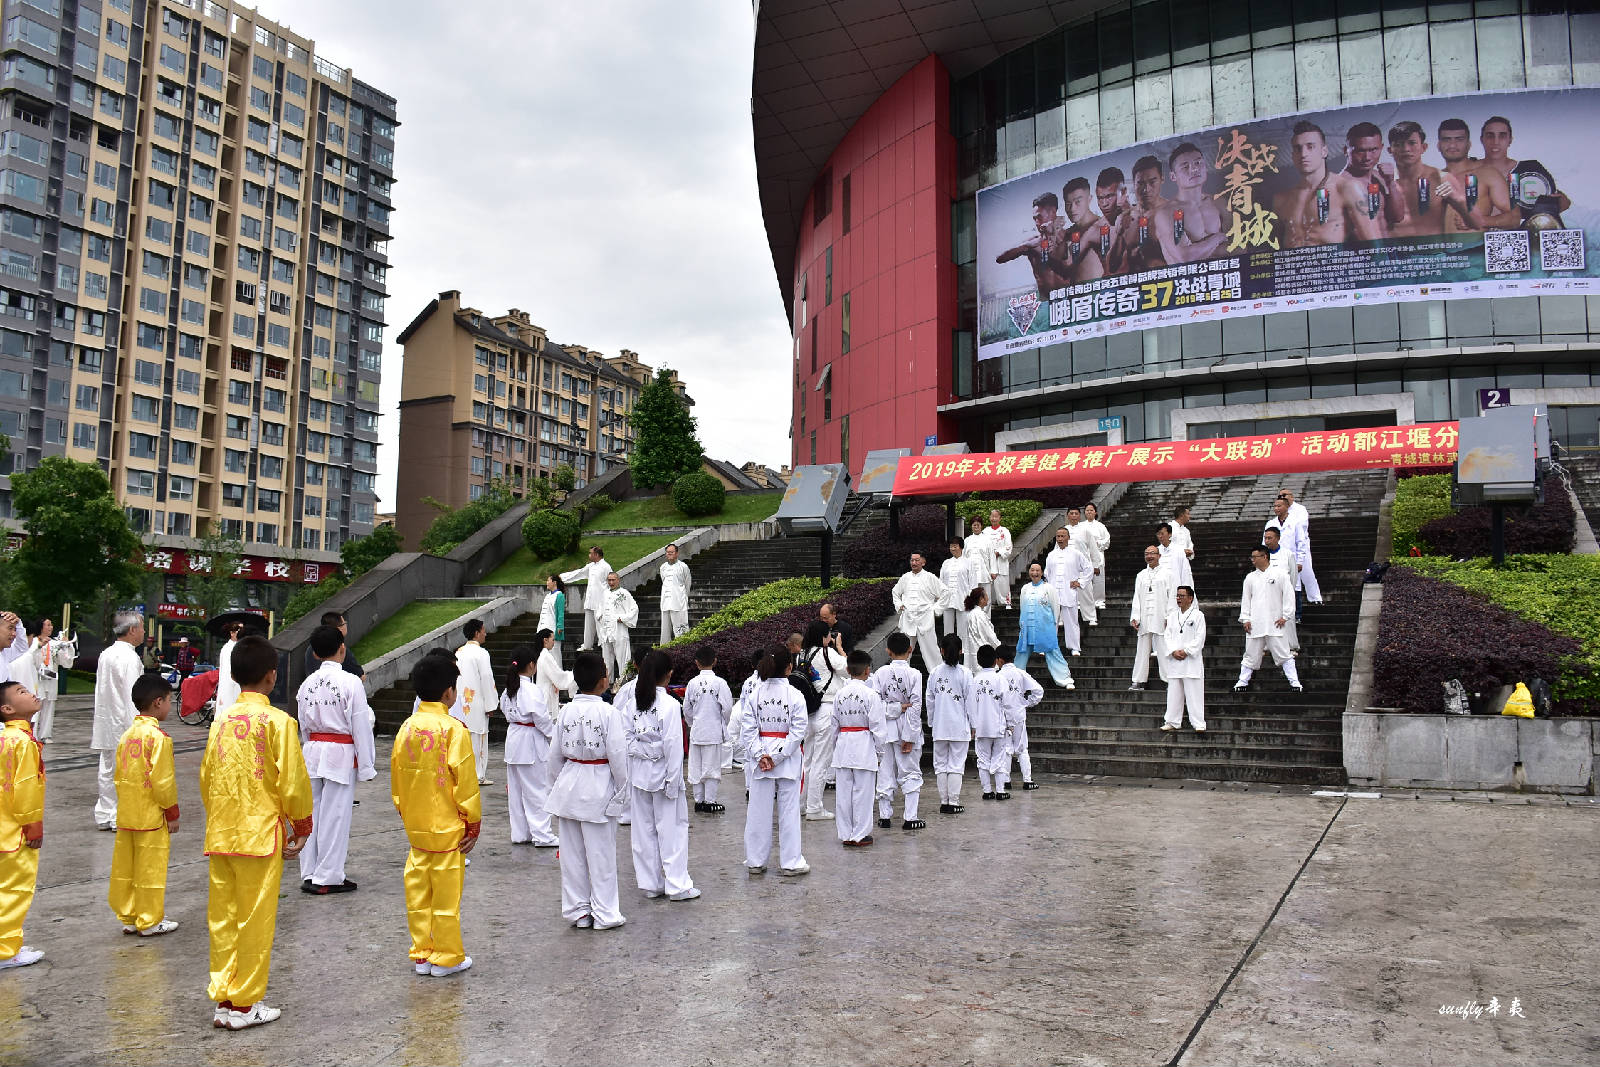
[270, 500]
[194, 276]
[179, 487]
[205, 141]
[151, 336]
[822, 197]
[23, 186]
[274, 399]
[316, 441]
[192, 311]
[185, 417]
[182, 453]
[210, 76]
[266, 533]
[272, 433]
[197, 242]
[177, 27]
[105, 175]
[114, 68]
[294, 83]
[286, 240]
[111, 103]
[233, 495]
[258, 132]
[173, 59]
[83, 435]
[145, 408]
[262, 66]
[88, 398]
[234, 461]
[168, 126]
[827, 277]
[277, 335]
[153, 301]
[186, 381]
[142, 446]
[260, 99]
[203, 175]
[250, 227]
[271, 467]
[311, 507]
[156, 265]
[239, 392]
[244, 325]
[90, 359]
[146, 373]
[282, 269]
[102, 212]
[208, 110]
[844, 325]
[238, 427]
[99, 248]
[158, 230]
[141, 483]
[844, 205]
[216, 45]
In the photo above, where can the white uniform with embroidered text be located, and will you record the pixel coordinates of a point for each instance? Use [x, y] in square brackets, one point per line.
[336, 741]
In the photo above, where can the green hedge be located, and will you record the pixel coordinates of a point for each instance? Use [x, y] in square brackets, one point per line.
[765, 600]
[1558, 591]
[549, 533]
[1418, 501]
[1015, 515]
[697, 493]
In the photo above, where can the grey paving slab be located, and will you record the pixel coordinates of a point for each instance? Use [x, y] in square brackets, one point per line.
[1082, 924]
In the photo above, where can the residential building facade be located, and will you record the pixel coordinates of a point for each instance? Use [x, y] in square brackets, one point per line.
[488, 399]
[194, 217]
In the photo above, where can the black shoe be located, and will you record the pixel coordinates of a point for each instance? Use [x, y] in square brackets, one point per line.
[346, 886]
[885, 822]
[713, 808]
[947, 809]
[1030, 785]
[957, 809]
[913, 824]
[1242, 688]
[988, 796]
[699, 806]
[1002, 796]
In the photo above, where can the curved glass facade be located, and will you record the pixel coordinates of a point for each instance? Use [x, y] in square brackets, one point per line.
[1149, 70]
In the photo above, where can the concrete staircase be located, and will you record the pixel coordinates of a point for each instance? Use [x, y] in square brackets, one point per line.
[1584, 467]
[1270, 734]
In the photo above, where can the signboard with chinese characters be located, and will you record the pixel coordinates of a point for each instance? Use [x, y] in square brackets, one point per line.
[248, 569]
[1426, 444]
[1459, 197]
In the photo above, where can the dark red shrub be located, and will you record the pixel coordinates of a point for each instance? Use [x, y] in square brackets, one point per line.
[1545, 527]
[877, 555]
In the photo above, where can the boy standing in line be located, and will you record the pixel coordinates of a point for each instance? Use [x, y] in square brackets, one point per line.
[336, 738]
[708, 705]
[900, 763]
[147, 814]
[21, 820]
[252, 779]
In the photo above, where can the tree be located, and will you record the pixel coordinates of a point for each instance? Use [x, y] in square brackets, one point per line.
[80, 547]
[217, 588]
[360, 554]
[665, 446]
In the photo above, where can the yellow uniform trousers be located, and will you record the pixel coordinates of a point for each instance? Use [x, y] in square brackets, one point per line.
[19, 871]
[242, 914]
[138, 891]
[433, 906]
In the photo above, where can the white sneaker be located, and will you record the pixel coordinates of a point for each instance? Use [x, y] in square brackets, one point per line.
[219, 1018]
[486, 781]
[756, 868]
[258, 1015]
[440, 972]
[165, 926]
[25, 957]
[790, 872]
[688, 894]
[584, 923]
[610, 926]
[130, 929]
[1167, 728]
[820, 815]
[423, 967]
[1070, 684]
[653, 894]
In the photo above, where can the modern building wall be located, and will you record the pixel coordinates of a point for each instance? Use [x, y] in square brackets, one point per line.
[487, 399]
[195, 227]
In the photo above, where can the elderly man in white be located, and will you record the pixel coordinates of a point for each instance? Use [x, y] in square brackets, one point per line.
[1000, 538]
[961, 575]
[675, 583]
[593, 574]
[477, 692]
[1067, 570]
[1266, 605]
[1308, 574]
[919, 596]
[1152, 598]
[618, 614]
[1186, 670]
[118, 669]
[1102, 544]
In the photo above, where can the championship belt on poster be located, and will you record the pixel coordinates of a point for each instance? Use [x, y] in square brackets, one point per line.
[1533, 191]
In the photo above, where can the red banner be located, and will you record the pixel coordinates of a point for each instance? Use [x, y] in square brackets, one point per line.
[247, 568]
[1424, 444]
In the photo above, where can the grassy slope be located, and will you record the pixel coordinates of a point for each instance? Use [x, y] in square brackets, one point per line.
[410, 623]
[651, 511]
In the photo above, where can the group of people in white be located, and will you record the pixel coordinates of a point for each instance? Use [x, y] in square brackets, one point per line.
[34, 654]
[610, 611]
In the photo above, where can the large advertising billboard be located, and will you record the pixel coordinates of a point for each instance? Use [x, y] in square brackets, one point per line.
[1478, 195]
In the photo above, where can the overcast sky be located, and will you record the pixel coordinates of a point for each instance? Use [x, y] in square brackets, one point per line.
[591, 164]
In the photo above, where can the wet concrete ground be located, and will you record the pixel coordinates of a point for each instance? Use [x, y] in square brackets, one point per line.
[1084, 924]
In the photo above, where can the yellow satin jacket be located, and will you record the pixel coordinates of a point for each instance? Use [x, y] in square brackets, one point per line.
[21, 785]
[252, 778]
[434, 780]
[147, 785]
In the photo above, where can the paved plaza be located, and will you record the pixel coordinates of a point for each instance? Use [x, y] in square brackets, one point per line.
[1081, 923]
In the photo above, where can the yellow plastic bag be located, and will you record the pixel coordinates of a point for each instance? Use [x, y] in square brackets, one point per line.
[1520, 703]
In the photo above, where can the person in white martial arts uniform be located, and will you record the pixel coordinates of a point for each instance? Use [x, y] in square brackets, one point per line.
[1102, 545]
[900, 760]
[478, 693]
[1000, 537]
[949, 695]
[675, 583]
[1186, 670]
[1308, 573]
[1080, 534]
[618, 614]
[1070, 574]
[1282, 560]
[118, 669]
[732, 753]
[708, 707]
[1022, 693]
[1265, 607]
[1292, 550]
[1183, 540]
[918, 597]
[593, 575]
[987, 703]
[829, 673]
[980, 627]
[52, 654]
[227, 689]
[550, 677]
[1173, 561]
[660, 834]
[771, 739]
[336, 741]
[978, 550]
[1037, 627]
[1152, 598]
[589, 772]
[860, 730]
[958, 575]
[530, 722]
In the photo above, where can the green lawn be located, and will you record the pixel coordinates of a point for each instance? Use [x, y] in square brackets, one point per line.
[410, 623]
[520, 568]
[645, 512]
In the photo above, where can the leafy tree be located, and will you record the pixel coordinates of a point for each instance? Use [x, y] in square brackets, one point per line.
[219, 588]
[455, 525]
[360, 554]
[666, 446]
[5, 448]
[565, 478]
[80, 547]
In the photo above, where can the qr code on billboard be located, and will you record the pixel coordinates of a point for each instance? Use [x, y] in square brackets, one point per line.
[1506, 251]
[1560, 249]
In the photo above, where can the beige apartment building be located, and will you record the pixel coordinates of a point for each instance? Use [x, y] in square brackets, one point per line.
[194, 217]
[491, 398]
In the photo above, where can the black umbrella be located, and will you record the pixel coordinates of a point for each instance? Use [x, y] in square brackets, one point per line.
[217, 625]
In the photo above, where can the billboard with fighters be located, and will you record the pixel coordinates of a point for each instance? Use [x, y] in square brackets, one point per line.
[1476, 195]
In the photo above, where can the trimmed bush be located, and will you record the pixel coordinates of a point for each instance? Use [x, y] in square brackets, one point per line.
[1418, 501]
[763, 601]
[455, 525]
[1016, 514]
[1546, 527]
[1431, 631]
[697, 493]
[1057, 496]
[548, 533]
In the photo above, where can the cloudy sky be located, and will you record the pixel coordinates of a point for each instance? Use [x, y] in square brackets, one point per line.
[590, 164]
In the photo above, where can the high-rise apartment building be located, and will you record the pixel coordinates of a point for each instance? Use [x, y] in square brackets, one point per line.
[491, 398]
[194, 214]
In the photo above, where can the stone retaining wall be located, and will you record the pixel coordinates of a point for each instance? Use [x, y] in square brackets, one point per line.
[1396, 749]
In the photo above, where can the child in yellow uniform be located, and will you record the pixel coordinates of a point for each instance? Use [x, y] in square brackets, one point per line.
[252, 779]
[147, 814]
[434, 780]
[21, 820]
